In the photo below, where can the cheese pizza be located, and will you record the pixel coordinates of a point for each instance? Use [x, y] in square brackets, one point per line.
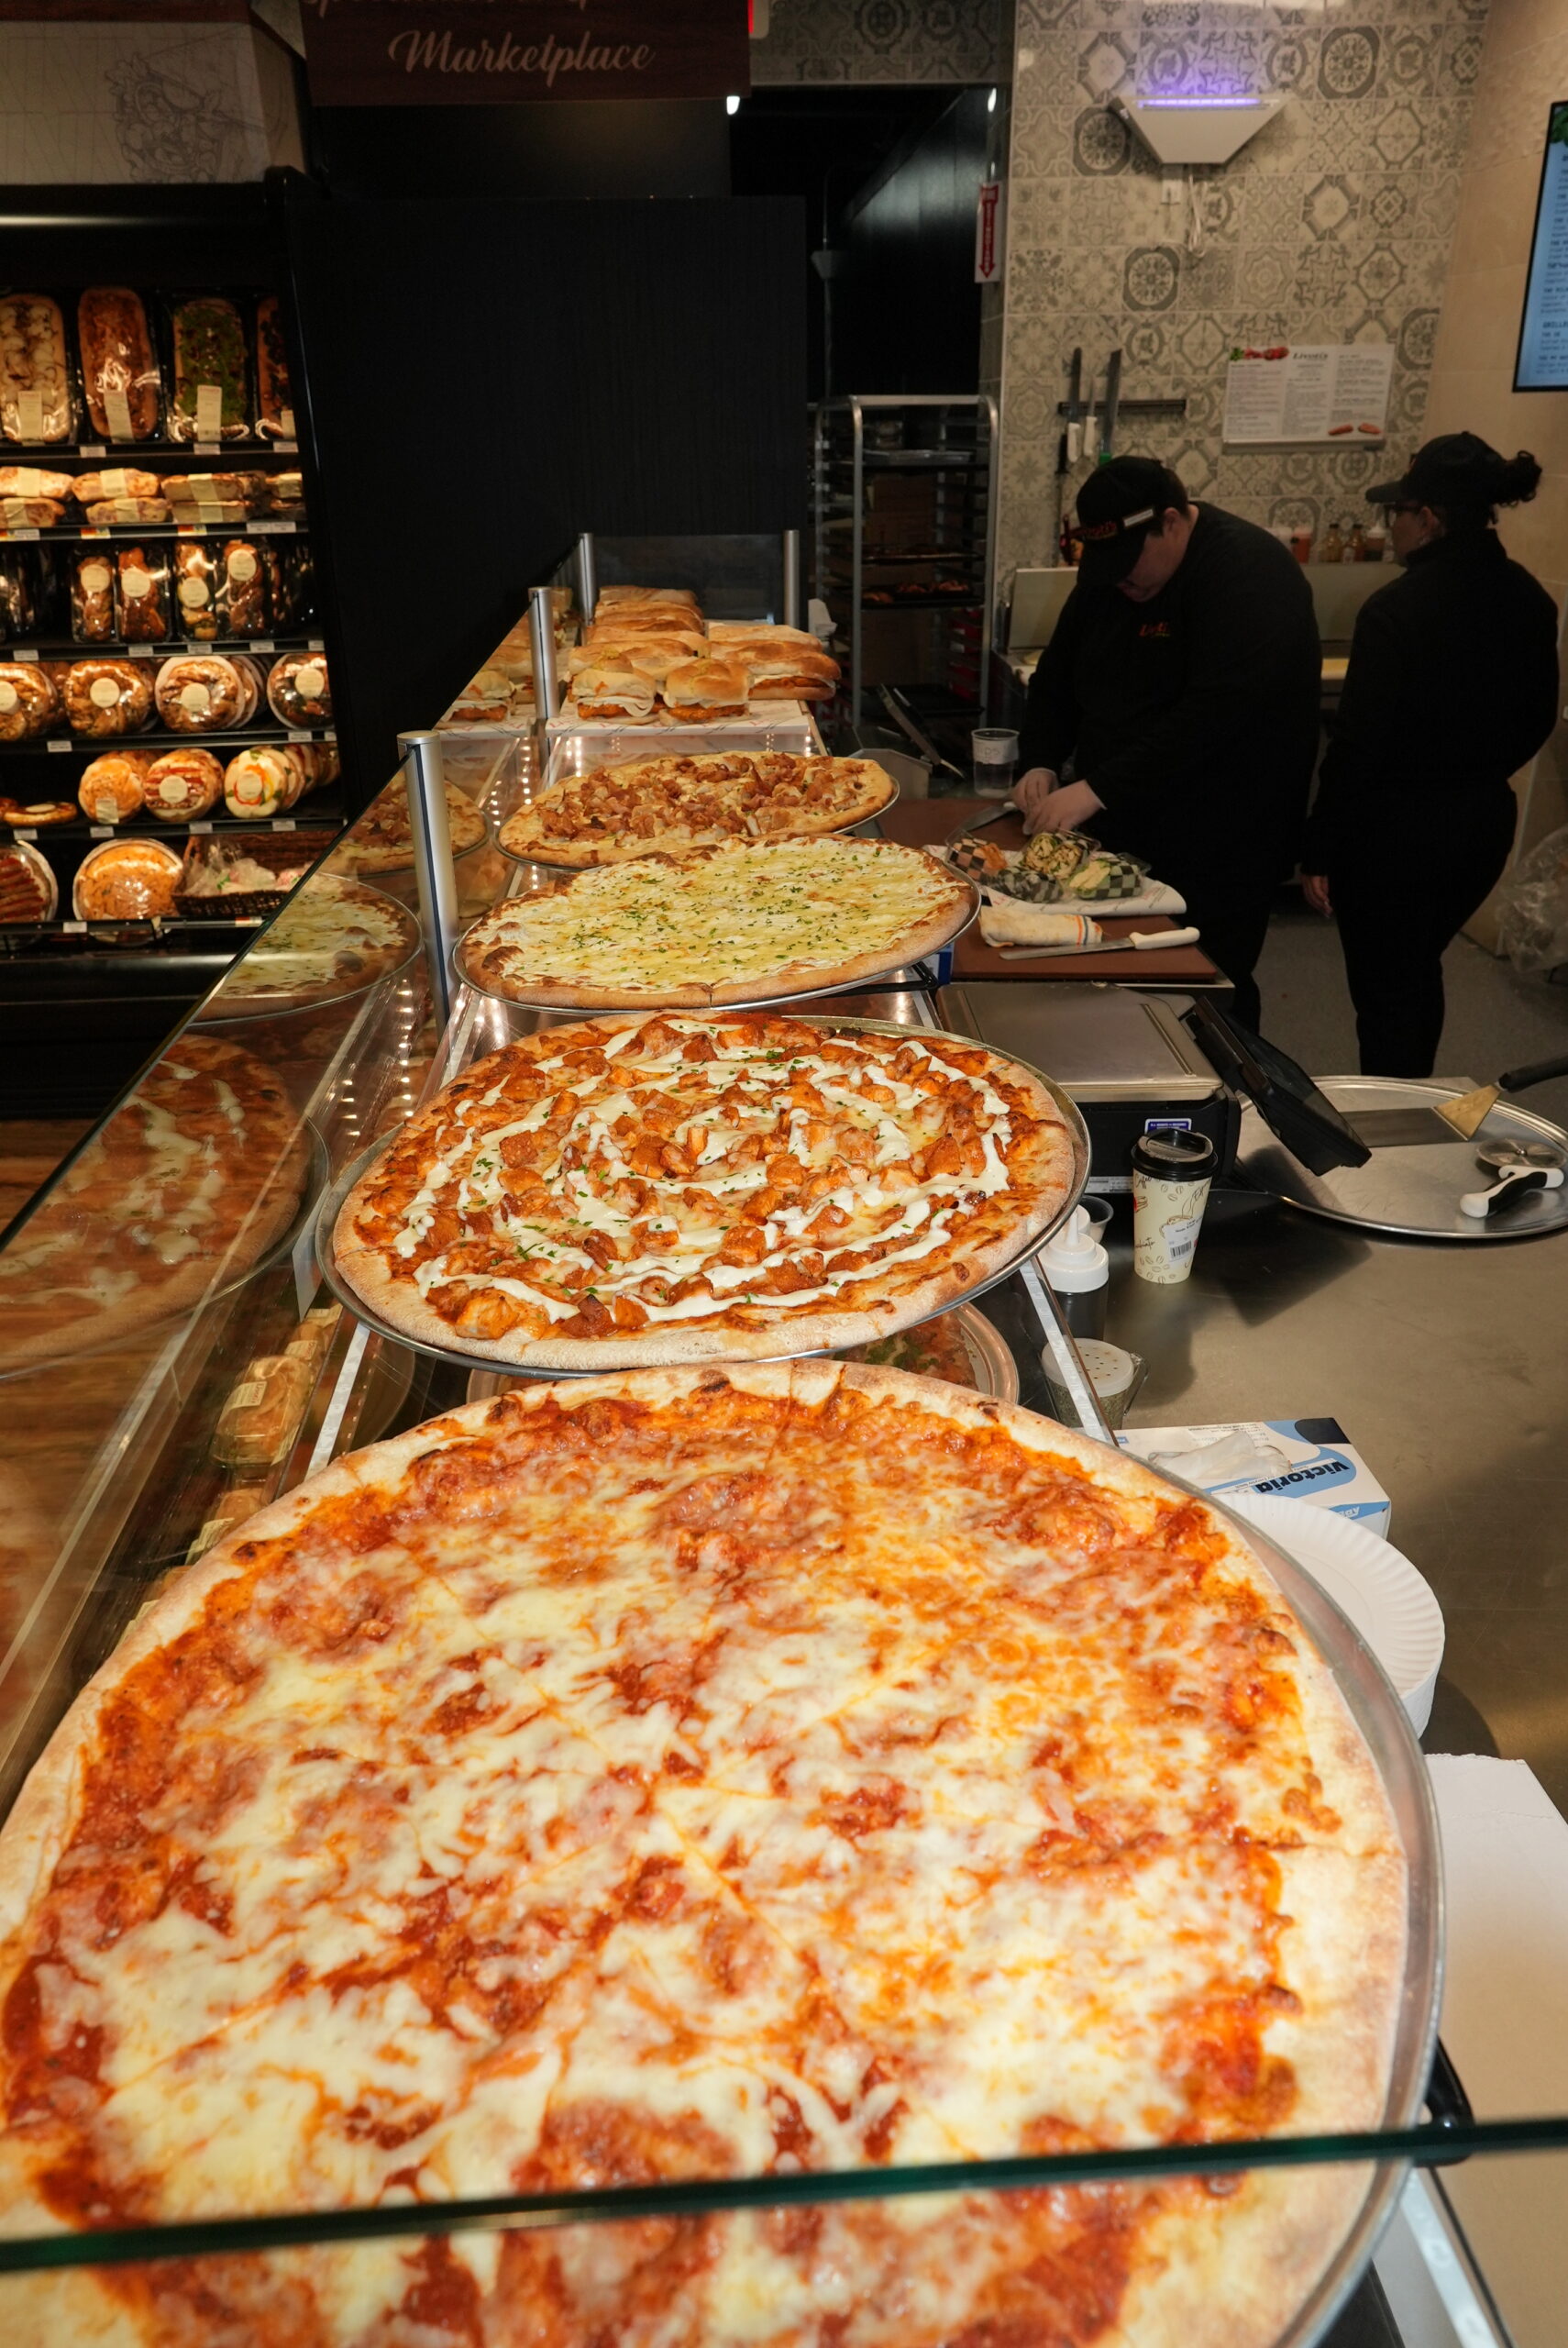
[183, 1188]
[701, 1774]
[673, 804]
[631, 1190]
[741, 923]
[334, 937]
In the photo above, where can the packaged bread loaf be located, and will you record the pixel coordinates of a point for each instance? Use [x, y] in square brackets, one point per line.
[33, 481]
[29, 703]
[253, 684]
[114, 482]
[92, 577]
[30, 513]
[29, 891]
[257, 782]
[282, 495]
[209, 397]
[35, 371]
[114, 786]
[127, 881]
[274, 401]
[240, 589]
[195, 589]
[120, 378]
[21, 605]
[201, 693]
[116, 512]
[141, 590]
[106, 697]
[298, 690]
[184, 783]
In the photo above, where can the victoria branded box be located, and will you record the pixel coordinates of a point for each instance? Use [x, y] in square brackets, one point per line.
[1294, 1459]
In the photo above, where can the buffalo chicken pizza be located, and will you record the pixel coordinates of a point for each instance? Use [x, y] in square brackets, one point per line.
[627, 1191]
[673, 804]
[744, 923]
[695, 1774]
[188, 1182]
[381, 841]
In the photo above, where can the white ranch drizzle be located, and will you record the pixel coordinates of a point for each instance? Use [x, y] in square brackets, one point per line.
[478, 1181]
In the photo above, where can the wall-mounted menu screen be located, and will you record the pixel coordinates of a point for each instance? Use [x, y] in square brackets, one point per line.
[1543, 363]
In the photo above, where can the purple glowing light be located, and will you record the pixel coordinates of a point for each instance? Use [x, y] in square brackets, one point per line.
[1201, 104]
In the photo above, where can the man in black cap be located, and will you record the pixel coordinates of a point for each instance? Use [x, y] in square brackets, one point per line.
[1183, 682]
[1452, 687]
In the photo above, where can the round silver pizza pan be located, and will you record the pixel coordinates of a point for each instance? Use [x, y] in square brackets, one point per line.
[990, 1358]
[1374, 1704]
[521, 1001]
[574, 872]
[468, 1357]
[1410, 1190]
[257, 1007]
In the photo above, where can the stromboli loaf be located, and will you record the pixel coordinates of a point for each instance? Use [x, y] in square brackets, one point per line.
[185, 782]
[201, 692]
[119, 369]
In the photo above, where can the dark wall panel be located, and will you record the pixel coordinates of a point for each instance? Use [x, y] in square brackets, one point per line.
[486, 378]
[906, 309]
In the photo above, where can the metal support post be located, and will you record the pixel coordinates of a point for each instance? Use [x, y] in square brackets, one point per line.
[542, 637]
[432, 837]
[791, 578]
[587, 575]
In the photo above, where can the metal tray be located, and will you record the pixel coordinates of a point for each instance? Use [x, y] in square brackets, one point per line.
[990, 1357]
[777, 1002]
[1409, 1192]
[468, 1357]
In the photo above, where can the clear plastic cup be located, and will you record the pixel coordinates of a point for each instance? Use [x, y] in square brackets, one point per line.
[993, 751]
[1114, 1372]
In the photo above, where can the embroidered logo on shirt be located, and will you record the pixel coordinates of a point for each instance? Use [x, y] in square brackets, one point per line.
[1155, 627]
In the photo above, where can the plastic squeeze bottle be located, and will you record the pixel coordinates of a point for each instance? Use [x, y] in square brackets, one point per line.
[1078, 1268]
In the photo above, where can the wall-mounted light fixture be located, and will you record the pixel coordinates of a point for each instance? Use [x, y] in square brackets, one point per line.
[1186, 130]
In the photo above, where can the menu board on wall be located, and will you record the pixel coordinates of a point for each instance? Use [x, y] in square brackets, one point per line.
[1323, 392]
[1543, 362]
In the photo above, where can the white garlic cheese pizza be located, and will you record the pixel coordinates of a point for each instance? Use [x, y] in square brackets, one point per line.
[627, 1191]
[333, 937]
[733, 924]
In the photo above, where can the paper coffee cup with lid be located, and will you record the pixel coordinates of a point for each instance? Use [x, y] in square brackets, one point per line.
[1172, 1170]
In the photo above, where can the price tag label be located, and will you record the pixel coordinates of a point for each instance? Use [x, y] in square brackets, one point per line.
[92, 449]
[99, 831]
[196, 829]
[28, 532]
[95, 530]
[189, 529]
[116, 407]
[315, 644]
[25, 653]
[55, 744]
[262, 644]
[287, 420]
[330, 734]
[74, 928]
[247, 921]
[29, 414]
[284, 824]
[27, 833]
[298, 734]
[263, 530]
[142, 652]
[209, 416]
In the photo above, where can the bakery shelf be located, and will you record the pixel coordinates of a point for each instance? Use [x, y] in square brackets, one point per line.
[177, 648]
[925, 603]
[157, 738]
[316, 809]
[90, 533]
[138, 456]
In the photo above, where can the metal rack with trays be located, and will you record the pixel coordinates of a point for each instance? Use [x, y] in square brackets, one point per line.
[918, 468]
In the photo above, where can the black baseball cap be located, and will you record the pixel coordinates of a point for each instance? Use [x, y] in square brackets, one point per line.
[1117, 506]
[1456, 468]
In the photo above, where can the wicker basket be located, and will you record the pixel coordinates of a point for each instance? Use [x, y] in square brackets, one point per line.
[281, 851]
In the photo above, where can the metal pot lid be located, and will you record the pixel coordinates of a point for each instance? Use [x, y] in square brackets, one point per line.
[1411, 1191]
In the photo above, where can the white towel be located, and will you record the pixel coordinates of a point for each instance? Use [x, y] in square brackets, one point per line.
[1009, 921]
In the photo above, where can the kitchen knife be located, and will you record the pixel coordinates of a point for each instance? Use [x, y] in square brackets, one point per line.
[978, 823]
[1112, 402]
[1076, 406]
[1140, 941]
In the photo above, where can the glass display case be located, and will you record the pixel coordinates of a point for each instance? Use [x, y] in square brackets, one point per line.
[171, 1361]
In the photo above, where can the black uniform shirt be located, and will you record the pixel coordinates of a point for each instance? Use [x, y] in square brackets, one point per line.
[1452, 688]
[1193, 717]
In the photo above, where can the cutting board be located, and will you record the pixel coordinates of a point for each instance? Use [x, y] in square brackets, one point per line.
[926, 822]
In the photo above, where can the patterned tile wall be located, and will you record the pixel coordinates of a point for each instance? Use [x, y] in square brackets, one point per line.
[880, 41]
[1333, 225]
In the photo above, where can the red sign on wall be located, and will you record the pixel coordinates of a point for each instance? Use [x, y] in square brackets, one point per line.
[988, 233]
[491, 52]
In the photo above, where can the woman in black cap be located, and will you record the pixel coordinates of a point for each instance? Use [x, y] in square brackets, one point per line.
[1452, 687]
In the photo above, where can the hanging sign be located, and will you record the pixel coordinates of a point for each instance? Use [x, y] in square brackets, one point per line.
[491, 52]
[1331, 391]
[988, 233]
